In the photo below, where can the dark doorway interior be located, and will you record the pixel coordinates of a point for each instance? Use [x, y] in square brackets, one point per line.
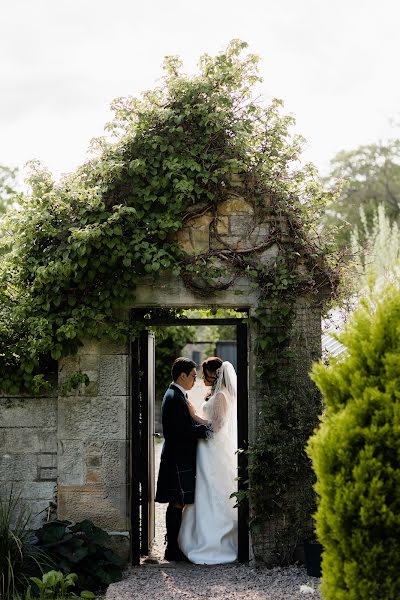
[142, 473]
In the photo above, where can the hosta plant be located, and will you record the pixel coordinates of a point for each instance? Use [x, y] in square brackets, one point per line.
[81, 549]
[54, 585]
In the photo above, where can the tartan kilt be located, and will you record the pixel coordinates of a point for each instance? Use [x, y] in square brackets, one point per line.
[176, 482]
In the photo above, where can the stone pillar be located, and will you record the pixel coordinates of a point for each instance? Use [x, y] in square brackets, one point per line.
[92, 438]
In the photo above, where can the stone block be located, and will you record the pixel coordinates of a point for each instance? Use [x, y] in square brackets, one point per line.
[94, 475]
[37, 490]
[200, 240]
[226, 241]
[170, 291]
[67, 366]
[29, 440]
[222, 225]
[47, 460]
[202, 222]
[267, 256]
[235, 205]
[119, 543]
[106, 462]
[90, 363]
[32, 412]
[18, 467]
[106, 507]
[257, 234]
[38, 511]
[46, 474]
[41, 511]
[102, 417]
[114, 463]
[94, 461]
[91, 389]
[185, 241]
[71, 467]
[241, 225]
[113, 380]
[91, 346]
[93, 449]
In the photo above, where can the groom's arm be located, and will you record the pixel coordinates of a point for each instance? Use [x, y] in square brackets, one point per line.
[178, 423]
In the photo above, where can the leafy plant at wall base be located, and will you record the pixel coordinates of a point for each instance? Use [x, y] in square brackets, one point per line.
[355, 454]
[54, 585]
[81, 549]
[18, 557]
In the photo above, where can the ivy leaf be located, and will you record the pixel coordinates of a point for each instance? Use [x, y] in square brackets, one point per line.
[55, 354]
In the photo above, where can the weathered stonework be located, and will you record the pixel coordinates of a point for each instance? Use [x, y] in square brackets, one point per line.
[92, 438]
[73, 447]
[28, 452]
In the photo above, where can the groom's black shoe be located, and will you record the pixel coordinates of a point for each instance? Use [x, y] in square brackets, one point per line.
[175, 554]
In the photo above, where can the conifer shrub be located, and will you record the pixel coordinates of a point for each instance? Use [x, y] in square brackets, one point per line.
[356, 456]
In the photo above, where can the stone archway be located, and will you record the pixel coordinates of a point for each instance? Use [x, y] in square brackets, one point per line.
[76, 459]
[93, 480]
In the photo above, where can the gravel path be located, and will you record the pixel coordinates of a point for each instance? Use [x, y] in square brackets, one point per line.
[221, 582]
[157, 579]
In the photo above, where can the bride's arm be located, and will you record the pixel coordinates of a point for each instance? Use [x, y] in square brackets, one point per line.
[195, 416]
[219, 411]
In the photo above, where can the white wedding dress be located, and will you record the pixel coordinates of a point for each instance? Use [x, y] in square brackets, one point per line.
[208, 534]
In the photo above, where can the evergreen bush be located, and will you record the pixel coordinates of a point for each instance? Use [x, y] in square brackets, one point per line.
[355, 455]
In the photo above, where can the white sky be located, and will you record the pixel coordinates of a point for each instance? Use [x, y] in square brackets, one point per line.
[333, 62]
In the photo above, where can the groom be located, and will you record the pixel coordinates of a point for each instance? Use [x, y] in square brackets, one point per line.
[177, 475]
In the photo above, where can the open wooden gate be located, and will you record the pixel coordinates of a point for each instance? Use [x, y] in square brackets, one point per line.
[142, 455]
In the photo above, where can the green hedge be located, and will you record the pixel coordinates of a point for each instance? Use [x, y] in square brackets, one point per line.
[356, 457]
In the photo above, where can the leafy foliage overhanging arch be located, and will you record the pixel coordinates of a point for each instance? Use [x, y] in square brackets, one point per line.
[75, 250]
[73, 254]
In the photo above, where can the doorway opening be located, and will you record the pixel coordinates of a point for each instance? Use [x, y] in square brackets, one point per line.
[147, 517]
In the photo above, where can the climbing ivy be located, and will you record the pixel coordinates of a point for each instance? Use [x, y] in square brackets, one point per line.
[79, 246]
[74, 252]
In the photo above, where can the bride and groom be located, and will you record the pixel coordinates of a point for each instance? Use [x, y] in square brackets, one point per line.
[198, 465]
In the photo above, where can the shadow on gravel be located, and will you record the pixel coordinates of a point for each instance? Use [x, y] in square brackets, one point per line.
[220, 582]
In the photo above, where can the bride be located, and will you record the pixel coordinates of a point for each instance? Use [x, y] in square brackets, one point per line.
[208, 534]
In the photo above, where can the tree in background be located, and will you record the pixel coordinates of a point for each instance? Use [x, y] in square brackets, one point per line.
[380, 250]
[8, 185]
[170, 342]
[371, 177]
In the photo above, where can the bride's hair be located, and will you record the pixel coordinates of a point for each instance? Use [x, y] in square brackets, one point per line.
[211, 364]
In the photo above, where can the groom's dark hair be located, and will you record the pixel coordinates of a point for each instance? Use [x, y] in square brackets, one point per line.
[182, 365]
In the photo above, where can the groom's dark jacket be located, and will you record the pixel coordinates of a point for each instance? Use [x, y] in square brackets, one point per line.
[177, 475]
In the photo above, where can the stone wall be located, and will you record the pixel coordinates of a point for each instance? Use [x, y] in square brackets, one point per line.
[76, 445]
[67, 455]
[28, 453]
